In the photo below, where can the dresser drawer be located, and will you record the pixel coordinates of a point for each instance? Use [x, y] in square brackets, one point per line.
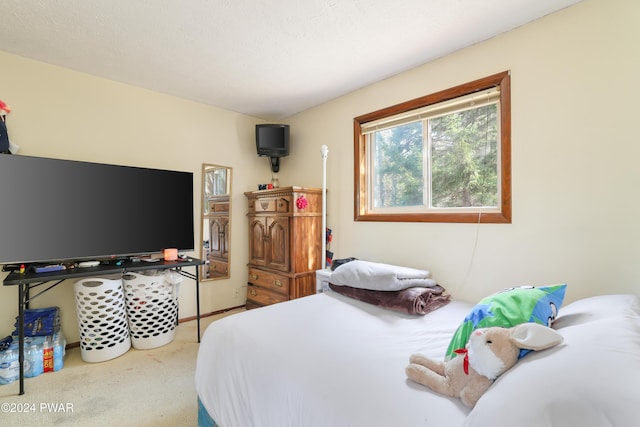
[270, 205]
[271, 281]
[283, 205]
[219, 207]
[218, 268]
[263, 205]
[257, 296]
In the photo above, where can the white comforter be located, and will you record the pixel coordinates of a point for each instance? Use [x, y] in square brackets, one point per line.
[325, 360]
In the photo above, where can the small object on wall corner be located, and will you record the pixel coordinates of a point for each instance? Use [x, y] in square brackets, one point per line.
[6, 146]
[4, 135]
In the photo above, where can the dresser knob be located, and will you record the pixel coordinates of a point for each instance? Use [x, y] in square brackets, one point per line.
[278, 283]
[253, 292]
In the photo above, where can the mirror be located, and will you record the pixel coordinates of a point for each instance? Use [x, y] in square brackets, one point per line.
[216, 222]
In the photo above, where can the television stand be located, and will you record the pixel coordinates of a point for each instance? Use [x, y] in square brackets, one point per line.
[31, 280]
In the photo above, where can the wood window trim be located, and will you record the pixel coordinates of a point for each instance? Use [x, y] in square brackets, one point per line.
[360, 172]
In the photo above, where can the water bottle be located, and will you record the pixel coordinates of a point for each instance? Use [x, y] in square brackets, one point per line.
[9, 366]
[33, 361]
[47, 357]
[59, 344]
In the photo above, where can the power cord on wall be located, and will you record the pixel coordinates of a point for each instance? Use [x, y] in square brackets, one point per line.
[473, 251]
[477, 236]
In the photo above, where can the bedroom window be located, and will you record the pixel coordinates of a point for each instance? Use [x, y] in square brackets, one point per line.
[444, 157]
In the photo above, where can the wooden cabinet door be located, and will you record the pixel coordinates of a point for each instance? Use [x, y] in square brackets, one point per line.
[257, 241]
[216, 238]
[225, 239]
[269, 242]
[278, 243]
[219, 237]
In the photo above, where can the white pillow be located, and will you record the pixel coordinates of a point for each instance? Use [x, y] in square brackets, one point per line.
[590, 380]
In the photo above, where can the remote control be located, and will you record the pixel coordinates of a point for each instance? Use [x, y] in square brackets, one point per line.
[48, 268]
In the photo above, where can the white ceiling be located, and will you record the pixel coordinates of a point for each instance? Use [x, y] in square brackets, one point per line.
[268, 59]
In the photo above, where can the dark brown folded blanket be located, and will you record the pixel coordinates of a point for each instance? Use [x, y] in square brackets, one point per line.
[417, 300]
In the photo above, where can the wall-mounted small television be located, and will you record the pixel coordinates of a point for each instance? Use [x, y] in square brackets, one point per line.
[59, 210]
[272, 140]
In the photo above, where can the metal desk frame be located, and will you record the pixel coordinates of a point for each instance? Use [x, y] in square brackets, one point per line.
[28, 280]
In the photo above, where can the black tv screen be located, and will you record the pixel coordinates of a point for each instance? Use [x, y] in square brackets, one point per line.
[272, 140]
[55, 210]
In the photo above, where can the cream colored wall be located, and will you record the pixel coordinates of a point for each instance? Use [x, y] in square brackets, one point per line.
[64, 114]
[575, 151]
[574, 93]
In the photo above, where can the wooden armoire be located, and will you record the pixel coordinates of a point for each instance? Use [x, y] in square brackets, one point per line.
[285, 232]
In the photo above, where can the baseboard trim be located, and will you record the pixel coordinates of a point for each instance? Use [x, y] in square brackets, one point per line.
[213, 313]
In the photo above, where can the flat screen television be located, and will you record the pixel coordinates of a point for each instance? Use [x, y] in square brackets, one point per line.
[59, 210]
[272, 140]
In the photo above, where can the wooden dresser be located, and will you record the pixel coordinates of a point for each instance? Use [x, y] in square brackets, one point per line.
[285, 232]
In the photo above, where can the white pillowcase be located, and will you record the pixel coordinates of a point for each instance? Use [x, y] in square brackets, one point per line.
[380, 277]
[590, 380]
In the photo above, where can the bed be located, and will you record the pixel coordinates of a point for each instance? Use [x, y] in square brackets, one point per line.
[331, 360]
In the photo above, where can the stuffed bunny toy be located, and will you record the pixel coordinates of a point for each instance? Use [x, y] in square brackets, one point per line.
[489, 353]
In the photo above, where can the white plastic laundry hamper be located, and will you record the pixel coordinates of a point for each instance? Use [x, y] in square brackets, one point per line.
[102, 319]
[152, 309]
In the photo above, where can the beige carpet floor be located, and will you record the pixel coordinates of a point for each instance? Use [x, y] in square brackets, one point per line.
[140, 388]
